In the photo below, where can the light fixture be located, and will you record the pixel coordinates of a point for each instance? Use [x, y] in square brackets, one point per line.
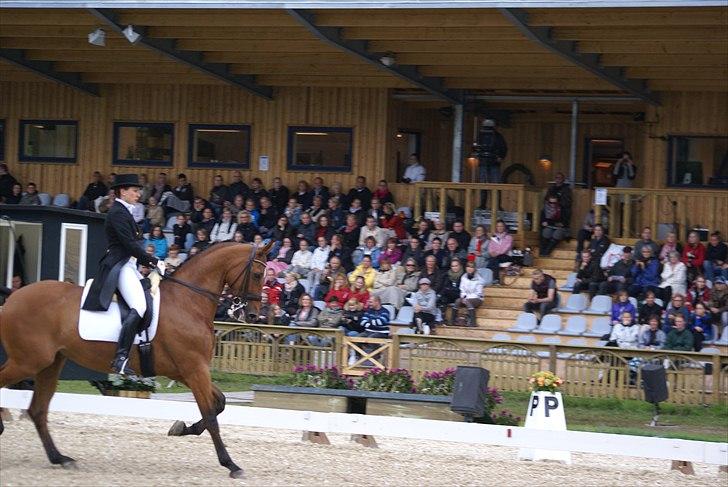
[388, 59]
[399, 135]
[545, 161]
[97, 37]
[131, 35]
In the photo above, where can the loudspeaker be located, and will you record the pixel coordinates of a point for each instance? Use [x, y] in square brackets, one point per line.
[468, 396]
[654, 382]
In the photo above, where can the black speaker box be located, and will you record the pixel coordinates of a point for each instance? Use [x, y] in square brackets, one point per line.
[468, 397]
[654, 382]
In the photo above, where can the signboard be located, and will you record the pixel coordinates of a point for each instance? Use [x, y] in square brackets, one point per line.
[545, 412]
[263, 163]
[600, 196]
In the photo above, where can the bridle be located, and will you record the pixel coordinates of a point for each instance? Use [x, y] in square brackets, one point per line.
[235, 303]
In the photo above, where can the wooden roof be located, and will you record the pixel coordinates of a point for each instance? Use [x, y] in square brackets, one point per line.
[477, 50]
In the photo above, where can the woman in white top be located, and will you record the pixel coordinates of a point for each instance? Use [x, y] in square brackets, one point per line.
[225, 230]
[319, 259]
[471, 294]
[625, 333]
[301, 261]
[674, 277]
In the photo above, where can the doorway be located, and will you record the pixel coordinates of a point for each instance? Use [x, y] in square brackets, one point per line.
[406, 142]
[600, 155]
[22, 257]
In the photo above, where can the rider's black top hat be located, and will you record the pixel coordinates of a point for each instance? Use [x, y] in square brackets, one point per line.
[125, 181]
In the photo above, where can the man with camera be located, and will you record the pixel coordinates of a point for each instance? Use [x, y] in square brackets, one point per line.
[646, 274]
[491, 149]
[624, 170]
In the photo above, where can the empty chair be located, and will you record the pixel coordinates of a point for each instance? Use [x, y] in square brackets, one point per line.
[711, 350]
[600, 305]
[526, 339]
[170, 223]
[599, 327]
[575, 304]
[549, 324]
[404, 317]
[62, 200]
[723, 340]
[575, 326]
[392, 311]
[486, 275]
[570, 281]
[501, 337]
[525, 322]
[45, 199]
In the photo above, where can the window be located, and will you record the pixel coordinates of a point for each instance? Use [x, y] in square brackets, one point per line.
[2, 140]
[48, 141]
[143, 144]
[320, 149]
[72, 260]
[697, 160]
[600, 156]
[219, 146]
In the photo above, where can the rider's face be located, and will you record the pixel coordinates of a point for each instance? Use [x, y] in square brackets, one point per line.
[130, 195]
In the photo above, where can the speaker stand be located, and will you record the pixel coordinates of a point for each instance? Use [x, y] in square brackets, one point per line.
[655, 423]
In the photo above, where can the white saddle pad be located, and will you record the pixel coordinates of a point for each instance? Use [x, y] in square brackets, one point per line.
[105, 326]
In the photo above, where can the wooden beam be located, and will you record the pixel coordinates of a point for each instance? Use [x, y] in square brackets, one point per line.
[66, 43]
[218, 32]
[277, 57]
[400, 33]
[147, 78]
[37, 17]
[160, 67]
[452, 46]
[644, 33]
[242, 18]
[462, 59]
[678, 72]
[655, 47]
[503, 72]
[47, 70]
[134, 56]
[307, 46]
[694, 60]
[689, 85]
[622, 18]
[410, 18]
[309, 69]
[529, 84]
[336, 81]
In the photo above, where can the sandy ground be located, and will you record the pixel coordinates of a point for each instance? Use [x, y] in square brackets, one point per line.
[121, 451]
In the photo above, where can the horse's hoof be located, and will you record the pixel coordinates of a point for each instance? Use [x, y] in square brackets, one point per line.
[177, 429]
[237, 474]
[69, 464]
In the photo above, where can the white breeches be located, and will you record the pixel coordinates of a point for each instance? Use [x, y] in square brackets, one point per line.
[130, 288]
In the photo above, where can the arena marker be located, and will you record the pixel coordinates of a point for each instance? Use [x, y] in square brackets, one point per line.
[509, 433]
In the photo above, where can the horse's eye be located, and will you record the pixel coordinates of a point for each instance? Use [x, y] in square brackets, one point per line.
[258, 275]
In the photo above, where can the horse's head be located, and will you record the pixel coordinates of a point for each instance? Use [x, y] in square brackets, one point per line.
[249, 286]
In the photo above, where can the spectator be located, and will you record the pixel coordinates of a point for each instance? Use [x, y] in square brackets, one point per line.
[621, 306]
[460, 234]
[491, 149]
[554, 226]
[103, 204]
[587, 228]
[391, 252]
[181, 197]
[15, 195]
[499, 249]
[677, 307]
[271, 287]
[306, 229]
[453, 252]
[414, 251]
[318, 189]
[653, 337]
[375, 319]
[715, 263]
[415, 172]
[369, 249]
[238, 187]
[693, 256]
[30, 197]
[201, 241]
[674, 277]
[336, 213]
[701, 324]
[438, 232]
[291, 293]
[351, 233]
[625, 334]
[382, 193]
[645, 274]
[198, 206]
[376, 209]
[146, 189]
[543, 296]
[95, 189]
[305, 314]
[158, 241]
[282, 229]
[267, 215]
[405, 282]
[303, 194]
[192, 252]
[386, 278]
[246, 227]
[281, 258]
[324, 228]
[649, 308]
[359, 290]
[624, 171]
[173, 260]
[392, 222]
[449, 287]
[619, 276]
[442, 256]
[160, 187]
[646, 241]
[317, 209]
[7, 181]
[208, 220]
[372, 230]
[360, 192]
[218, 194]
[301, 260]
[424, 302]
[224, 230]
[422, 232]
[330, 316]
[279, 195]
[599, 243]
[319, 260]
[265, 310]
[432, 271]
[478, 247]
[719, 303]
[562, 191]
[589, 276]
[471, 294]
[337, 250]
[671, 245]
[339, 290]
[351, 318]
[154, 215]
[181, 229]
[256, 191]
[364, 270]
[698, 292]
[679, 337]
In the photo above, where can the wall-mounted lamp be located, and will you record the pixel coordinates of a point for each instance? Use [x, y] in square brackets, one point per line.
[131, 35]
[97, 37]
[388, 59]
[545, 162]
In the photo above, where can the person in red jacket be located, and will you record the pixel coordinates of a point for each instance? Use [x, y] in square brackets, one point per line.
[693, 256]
[390, 219]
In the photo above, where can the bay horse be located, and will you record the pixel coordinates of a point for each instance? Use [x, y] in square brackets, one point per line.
[39, 331]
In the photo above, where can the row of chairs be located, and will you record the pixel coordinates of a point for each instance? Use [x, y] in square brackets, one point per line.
[599, 305]
[61, 200]
[551, 325]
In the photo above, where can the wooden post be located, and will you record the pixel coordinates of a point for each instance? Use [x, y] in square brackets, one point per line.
[428, 199]
[469, 209]
[627, 216]
[552, 358]
[521, 209]
[443, 204]
[711, 213]
[494, 197]
[613, 216]
[683, 212]
[716, 380]
[597, 214]
[394, 352]
[418, 202]
[654, 199]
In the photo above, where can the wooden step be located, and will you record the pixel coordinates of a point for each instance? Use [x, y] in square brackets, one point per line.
[501, 302]
[554, 263]
[496, 323]
[508, 292]
[502, 314]
[566, 254]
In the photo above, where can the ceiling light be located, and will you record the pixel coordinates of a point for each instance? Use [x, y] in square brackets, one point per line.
[97, 37]
[388, 60]
[131, 35]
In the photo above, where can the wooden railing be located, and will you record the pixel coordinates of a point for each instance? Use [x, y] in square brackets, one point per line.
[693, 378]
[520, 202]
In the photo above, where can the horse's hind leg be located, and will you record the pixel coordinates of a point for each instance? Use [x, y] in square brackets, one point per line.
[45, 386]
[179, 428]
[12, 373]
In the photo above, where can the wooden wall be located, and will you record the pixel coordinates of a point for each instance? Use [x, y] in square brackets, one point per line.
[363, 109]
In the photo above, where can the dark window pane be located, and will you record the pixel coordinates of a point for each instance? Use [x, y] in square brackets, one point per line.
[227, 146]
[51, 141]
[143, 143]
[698, 160]
[2, 141]
[320, 149]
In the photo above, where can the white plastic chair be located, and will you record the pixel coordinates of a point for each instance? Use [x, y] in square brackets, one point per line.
[549, 324]
[392, 311]
[525, 322]
[600, 305]
[526, 339]
[62, 200]
[45, 199]
[486, 275]
[501, 337]
[570, 281]
[404, 317]
[711, 350]
[575, 326]
[599, 327]
[319, 304]
[575, 304]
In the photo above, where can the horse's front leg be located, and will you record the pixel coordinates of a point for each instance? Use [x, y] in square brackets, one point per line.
[179, 428]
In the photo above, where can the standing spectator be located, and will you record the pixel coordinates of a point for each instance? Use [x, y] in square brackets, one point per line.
[95, 189]
[15, 195]
[624, 170]
[224, 230]
[589, 276]
[674, 277]
[30, 197]
[719, 303]
[677, 307]
[279, 194]
[562, 191]
[701, 324]
[218, 194]
[382, 192]
[158, 241]
[491, 149]
[301, 260]
[499, 249]
[699, 292]
[555, 225]
[646, 241]
[619, 276]
[424, 302]
[625, 334]
[543, 296]
[303, 195]
[415, 171]
[671, 245]
[237, 187]
[621, 306]
[716, 258]
[679, 337]
[318, 189]
[478, 247]
[7, 181]
[645, 274]
[653, 337]
[471, 294]
[460, 234]
[360, 192]
[649, 308]
[414, 251]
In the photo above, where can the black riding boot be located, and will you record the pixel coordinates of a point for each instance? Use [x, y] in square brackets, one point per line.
[126, 340]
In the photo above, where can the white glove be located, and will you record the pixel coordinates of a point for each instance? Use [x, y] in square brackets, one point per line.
[161, 267]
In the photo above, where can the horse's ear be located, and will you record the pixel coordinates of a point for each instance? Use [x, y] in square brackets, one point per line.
[264, 250]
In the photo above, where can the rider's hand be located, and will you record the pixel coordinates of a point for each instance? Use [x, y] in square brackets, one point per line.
[161, 267]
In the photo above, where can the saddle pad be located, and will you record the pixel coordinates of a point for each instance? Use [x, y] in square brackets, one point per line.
[105, 326]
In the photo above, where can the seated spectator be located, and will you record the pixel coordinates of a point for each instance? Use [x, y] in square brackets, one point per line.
[646, 241]
[587, 228]
[499, 249]
[324, 228]
[357, 211]
[154, 215]
[319, 261]
[619, 276]
[673, 277]
[195, 216]
[589, 276]
[95, 189]
[158, 241]
[181, 229]
[291, 293]
[181, 197]
[424, 302]
[716, 258]
[442, 256]
[439, 232]
[625, 334]
[238, 237]
[146, 188]
[271, 287]
[478, 247]
[645, 274]
[245, 226]
[405, 282]
[339, 290]
[391, 252]
[301, 260]
[281, 259]
[16, 194]
[344, 255]
[392, 222]
[360, 192]
[237, 187]
[460, 234]
[414, 251]
[279, 194]
[351, 233]
[192, 252]
[471, 294]
[653, 337]
[256, 191]
[375, 319]
[254, 213]
[318, 189]
[102, 205]
[265, 311]
[351, 318]
[693, 256]
[218, 194]
[7, 181]
[382, 193]
[173, 260]
[369, 249]
[208, 220]
[453, 251]
[336, 214]
[376, 210]
[279, 316]
[386, 277]
[431, 271]
[336, 192]
[283, 229]
[701, 324]
[306, 230]
[555, 226]
[415, 171]
[293, 211]
[623, 305]
[671, 245]
[303, 194]
[317, 209]
[330, 316]
[372, 230]
[718, 306]
[201, 241]
[237, 205]
[30, 197]
[160, 187]
[561, 190]
[698, 292]
[149, 249]
[679, 337]
[359, 290]
[266, 216]
[543, 296]
[677, 307]
[305, 314]
[364, 270]
[224, 230]
[599, 243]
[449, 288]
[649, 308]
[421, 231]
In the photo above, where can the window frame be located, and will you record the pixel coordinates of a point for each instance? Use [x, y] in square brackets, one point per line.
[671, 148]
[83, 252]
[23, 158]
[3, 127]
[134, 162]
[191, 162]
[292, 129]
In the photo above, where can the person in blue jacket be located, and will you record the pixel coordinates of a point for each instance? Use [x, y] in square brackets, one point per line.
[646, 273]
